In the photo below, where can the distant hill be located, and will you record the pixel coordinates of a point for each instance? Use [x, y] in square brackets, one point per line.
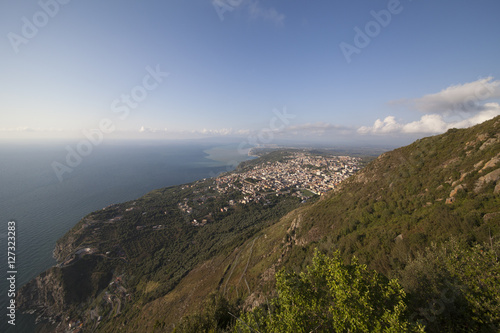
[441, 193]
[440, 186]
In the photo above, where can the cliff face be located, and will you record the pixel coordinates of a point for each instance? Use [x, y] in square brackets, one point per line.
[46, 295]
[63, 249]
[58, 292]
[67, 245]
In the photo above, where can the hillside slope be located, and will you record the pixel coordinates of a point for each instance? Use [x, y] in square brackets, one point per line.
[434, 189]
[441, 187]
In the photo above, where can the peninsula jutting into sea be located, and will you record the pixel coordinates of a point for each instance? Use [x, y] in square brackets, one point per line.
[244, 200]
[211, 253]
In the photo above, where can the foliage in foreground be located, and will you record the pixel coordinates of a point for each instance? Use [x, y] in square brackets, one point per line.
[449, 288]
[455, 287]
[332, 297]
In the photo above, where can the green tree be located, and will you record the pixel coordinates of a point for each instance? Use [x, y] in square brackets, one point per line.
[455, 287]
[332, 297]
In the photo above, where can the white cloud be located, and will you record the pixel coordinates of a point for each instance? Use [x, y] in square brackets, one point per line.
[319, 128]
[222, 131]
[430, 123]
[457, 98]
[442, 109]
[30, 129]
[256, 11]
[491, 110]
[388, 125]
[202, 132]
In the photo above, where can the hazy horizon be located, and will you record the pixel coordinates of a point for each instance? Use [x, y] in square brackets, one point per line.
[365, 71]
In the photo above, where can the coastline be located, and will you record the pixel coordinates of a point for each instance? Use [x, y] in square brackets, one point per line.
[227, 155]
[46, 209]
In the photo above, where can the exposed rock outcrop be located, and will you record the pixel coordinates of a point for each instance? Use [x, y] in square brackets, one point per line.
[493, 176]
[45, 295]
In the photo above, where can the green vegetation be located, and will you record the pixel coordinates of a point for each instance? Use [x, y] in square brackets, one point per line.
[218, 316]
[306, 193]
[408, 198]
[455, 287]
[332, 297]
[156, 258]
[450, 288]
[396, 216]
[140, 250]
[412, 239]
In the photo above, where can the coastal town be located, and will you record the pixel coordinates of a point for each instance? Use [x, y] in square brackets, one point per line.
[301, 173]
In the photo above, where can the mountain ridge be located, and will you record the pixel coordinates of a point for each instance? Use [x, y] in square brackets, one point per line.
[436, 188]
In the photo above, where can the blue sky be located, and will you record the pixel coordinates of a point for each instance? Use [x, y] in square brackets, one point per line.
[387, 71]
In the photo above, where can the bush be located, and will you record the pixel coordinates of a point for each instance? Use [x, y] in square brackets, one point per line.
[332, 297]
[454, 288]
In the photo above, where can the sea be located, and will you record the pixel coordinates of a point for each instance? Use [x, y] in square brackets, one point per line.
[45, 190]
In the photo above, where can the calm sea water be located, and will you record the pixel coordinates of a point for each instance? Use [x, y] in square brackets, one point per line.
[45, 208]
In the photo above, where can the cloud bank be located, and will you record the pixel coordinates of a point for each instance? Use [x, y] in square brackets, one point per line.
[316, 129]
[430, 123]
[441, 110]
[457, 98]
[204, 131]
